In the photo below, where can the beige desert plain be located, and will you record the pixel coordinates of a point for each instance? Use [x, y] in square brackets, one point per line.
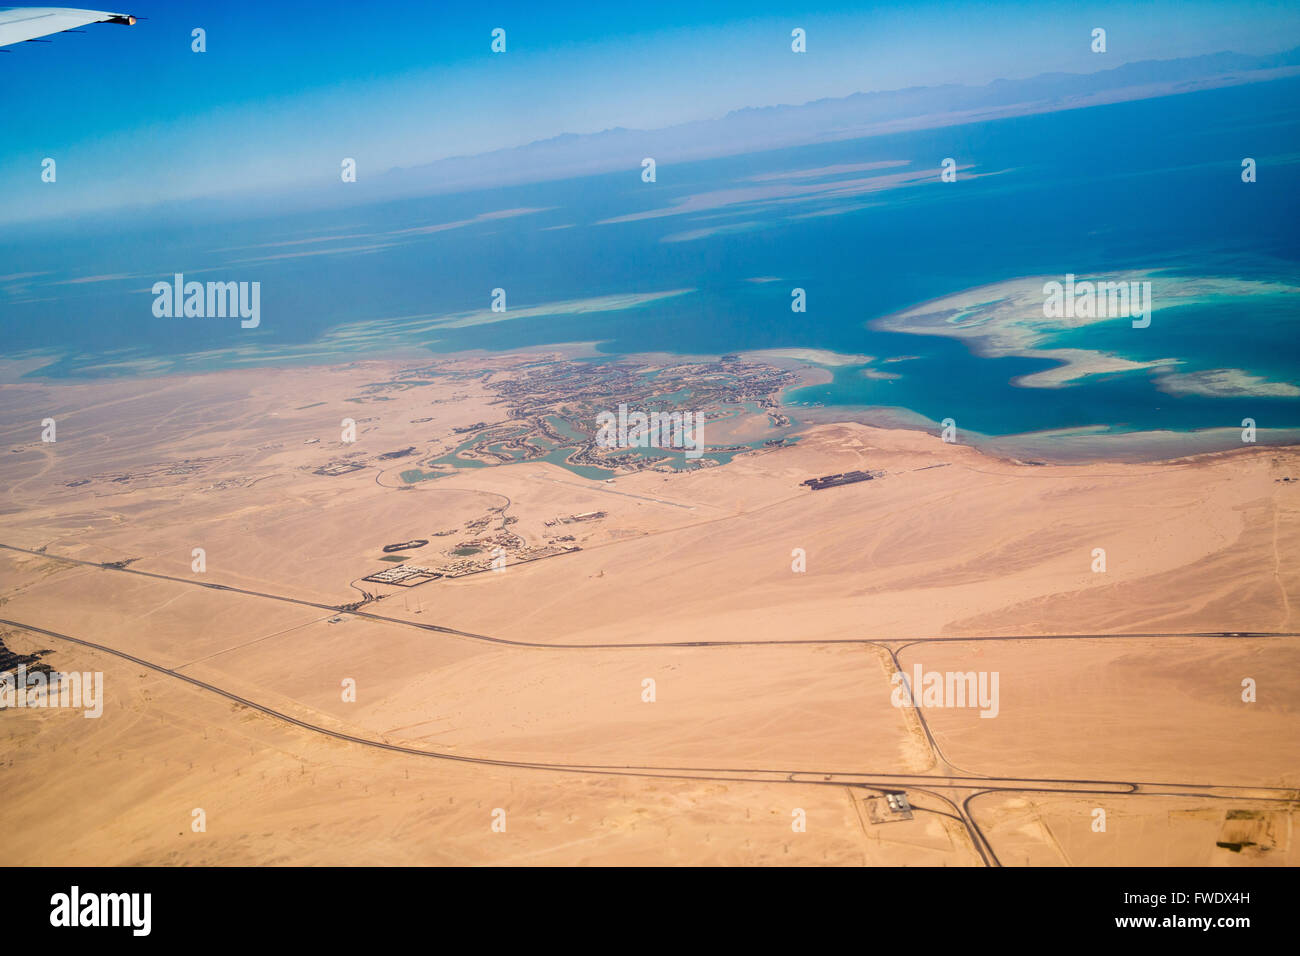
[1118, 690]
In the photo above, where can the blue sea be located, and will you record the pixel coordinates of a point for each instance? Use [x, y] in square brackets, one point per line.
[1140, 186]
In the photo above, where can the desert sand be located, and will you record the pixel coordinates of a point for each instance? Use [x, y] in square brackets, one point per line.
[505, 718]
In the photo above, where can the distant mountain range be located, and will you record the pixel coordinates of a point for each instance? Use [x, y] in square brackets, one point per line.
[849, 117]
[572, 155]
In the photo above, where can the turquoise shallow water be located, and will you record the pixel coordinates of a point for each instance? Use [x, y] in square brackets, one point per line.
[1134, 186]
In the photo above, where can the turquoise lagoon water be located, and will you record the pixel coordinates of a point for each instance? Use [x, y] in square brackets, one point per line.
[1134, 186]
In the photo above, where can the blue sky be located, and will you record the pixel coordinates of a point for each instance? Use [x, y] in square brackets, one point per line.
[132, 115]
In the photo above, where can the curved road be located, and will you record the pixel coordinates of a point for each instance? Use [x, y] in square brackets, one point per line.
[879, 782]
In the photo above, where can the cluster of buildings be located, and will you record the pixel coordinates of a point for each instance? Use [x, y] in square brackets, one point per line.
[559, 402]
[574, 519]
[503, 543]
[831, 481]
[405, 545]
[404, 575]
[336, 468]
[409, 575]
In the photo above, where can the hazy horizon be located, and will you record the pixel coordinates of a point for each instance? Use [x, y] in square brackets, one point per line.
[249, 117]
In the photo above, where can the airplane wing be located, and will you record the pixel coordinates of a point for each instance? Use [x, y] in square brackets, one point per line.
[18, 24]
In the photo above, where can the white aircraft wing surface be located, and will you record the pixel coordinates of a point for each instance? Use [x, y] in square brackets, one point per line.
[18, 24]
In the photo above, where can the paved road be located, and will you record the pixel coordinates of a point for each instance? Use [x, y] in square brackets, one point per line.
[862, 780]
[903, 641]
[952, 777]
